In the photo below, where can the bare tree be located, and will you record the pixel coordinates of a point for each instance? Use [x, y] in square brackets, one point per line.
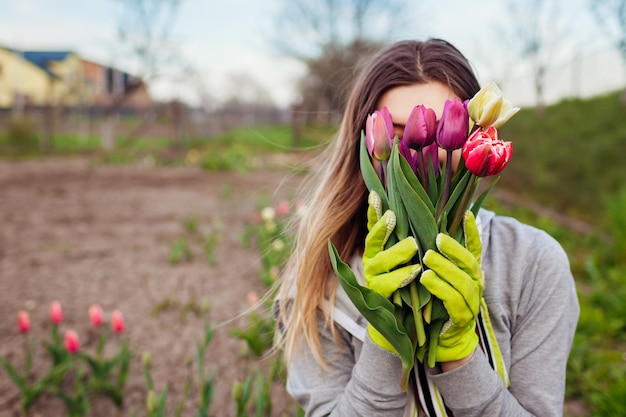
[536, 31]
[145, 36]
[309, 26]
[611, 16]
[330, 37]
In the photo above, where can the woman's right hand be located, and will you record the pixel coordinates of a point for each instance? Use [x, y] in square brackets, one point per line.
[386, 270]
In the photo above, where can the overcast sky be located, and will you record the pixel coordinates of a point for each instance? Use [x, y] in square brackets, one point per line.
[224, 37]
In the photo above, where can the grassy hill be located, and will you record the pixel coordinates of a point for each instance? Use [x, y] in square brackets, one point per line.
[572, 158]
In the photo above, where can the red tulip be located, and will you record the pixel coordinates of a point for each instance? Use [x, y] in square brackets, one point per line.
[95, 315]
[56, 312]
[420, 127]
[453, 127]
[23, 321]
[117, 321]
[485, 154]
[72, 343]
[379, 134]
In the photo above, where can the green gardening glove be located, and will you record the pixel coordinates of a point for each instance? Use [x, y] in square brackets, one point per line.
[385, 270]
[455, 277]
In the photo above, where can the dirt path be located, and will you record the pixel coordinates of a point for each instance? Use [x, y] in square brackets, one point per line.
[82, 234]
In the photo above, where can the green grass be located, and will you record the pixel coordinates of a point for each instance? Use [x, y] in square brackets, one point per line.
[243, 149]
[277, 138]
[570, 158]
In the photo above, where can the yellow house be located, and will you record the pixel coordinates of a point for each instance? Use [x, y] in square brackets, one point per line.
[40, 78]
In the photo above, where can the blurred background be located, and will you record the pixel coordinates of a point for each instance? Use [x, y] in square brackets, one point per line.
[257, 61]
[151, 152]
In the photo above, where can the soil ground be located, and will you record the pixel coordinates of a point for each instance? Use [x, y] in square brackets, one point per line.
[82, 233]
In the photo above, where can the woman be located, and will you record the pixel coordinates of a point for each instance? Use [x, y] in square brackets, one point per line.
[337, 366]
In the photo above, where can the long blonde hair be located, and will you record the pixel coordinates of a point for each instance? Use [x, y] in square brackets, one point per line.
[336, 195]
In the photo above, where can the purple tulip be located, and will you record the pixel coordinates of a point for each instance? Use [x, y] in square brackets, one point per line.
[420, 127]
[379, 134]
[453, 127]
[411, 157]
[431, 156]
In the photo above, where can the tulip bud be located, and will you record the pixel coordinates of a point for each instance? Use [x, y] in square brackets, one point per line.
[146, 360]
[268, 214]
[489, 108]
[23, 321]
[252, 298]
[117, 321]
[379, 134]
[56, 312]
[431, 157]
[237, 391]
[453, 127]
[206, 306]
[72, 343]
[485, 154]
[420, 128]
[151, 402]
[283, 208]
[278, 245]
[95, 315]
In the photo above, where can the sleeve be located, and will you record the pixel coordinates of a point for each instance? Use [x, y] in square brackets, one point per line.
[542, 330]
[367, 386]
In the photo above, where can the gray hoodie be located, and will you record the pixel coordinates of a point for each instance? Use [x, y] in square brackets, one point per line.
[533, 307]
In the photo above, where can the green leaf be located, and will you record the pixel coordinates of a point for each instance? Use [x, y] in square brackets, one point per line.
[457, 192]
[372, 182]
[433, 188]
[377, 310]
[15, 376]
[395, 198]
[415, 184]
[481, 198]
[418, 210]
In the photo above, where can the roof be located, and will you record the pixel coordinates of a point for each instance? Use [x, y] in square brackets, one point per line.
[41, 58]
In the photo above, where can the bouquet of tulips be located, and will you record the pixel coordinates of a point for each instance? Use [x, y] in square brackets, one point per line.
[426, 199]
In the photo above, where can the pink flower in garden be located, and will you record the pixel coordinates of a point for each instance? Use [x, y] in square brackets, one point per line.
[56, 312]
[117, 321]
[379, 134]
[95, 315]
[485, 154]
[72, 343]
[283, 208]
[252, 298]
[23, 321]
[453, 127]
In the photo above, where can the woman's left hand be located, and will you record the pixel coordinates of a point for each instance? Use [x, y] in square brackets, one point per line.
[455, 277]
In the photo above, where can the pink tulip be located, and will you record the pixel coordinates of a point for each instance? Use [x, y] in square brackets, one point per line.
[117, 321]
[56, 312]
[485, 154]
[283, 208]
[379, 134]
[252, 298]
[420, 127]
[23, 321]
[453, 127]
[95, 315]
[72, 343]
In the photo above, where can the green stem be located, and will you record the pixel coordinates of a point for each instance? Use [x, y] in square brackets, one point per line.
[432, 345]
[464, 204]
[446, 185]
[417, 314]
